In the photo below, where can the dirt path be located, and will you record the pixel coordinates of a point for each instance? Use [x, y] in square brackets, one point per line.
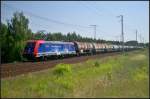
[13, 69]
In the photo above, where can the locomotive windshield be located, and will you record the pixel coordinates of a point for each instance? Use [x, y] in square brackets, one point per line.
[30, 47]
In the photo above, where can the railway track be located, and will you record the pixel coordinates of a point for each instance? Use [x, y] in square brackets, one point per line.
[14, 69]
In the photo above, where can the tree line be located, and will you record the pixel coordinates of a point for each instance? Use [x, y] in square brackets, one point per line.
[16, 32]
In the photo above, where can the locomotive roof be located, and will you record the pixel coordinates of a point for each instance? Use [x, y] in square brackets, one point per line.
[56, 42]
[59, 42]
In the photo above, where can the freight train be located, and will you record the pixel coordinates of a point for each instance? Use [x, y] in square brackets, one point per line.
[41, 49]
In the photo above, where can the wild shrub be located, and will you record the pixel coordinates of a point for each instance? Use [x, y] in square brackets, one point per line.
[96, 64]
[63, 69]
[64, 77]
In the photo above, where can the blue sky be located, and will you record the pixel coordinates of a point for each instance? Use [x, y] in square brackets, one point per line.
[81, 14]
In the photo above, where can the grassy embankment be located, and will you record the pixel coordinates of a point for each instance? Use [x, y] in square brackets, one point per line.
[114, 76]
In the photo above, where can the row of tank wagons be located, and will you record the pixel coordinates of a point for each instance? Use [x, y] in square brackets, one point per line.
[84, 47]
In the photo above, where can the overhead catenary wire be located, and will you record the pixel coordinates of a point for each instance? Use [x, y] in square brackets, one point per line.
[48, 19]
[96, 12]
[78, 27]
[112, 14]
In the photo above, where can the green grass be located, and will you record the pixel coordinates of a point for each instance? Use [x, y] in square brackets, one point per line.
[125, 75]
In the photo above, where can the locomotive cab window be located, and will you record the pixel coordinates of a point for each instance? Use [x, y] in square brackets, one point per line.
[30, 46]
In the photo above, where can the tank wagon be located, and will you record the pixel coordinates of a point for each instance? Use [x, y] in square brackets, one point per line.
[84, 48]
